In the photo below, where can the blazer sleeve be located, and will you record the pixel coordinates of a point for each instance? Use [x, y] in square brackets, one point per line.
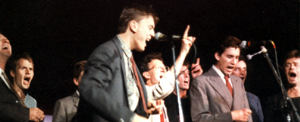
[102, 85]
[162, 89]
[59, 114]
[200, 104]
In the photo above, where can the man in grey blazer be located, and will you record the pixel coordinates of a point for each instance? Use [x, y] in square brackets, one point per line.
[216, 98]
[112, 88]
[66, 108]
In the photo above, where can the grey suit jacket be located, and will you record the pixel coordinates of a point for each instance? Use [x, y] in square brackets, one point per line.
[211, 101]
[103, 94]
[66, 108]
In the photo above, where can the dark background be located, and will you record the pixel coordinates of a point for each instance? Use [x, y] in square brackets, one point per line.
[57, 33]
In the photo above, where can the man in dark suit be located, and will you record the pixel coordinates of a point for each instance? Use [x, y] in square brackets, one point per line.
[217, 96]
[66, 108]
[112, 89]
[11, 109]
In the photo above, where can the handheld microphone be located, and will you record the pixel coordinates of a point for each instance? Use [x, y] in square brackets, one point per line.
[263, 50]
[163, 37]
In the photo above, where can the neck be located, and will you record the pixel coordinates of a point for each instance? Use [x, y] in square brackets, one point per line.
[19, 91]
[294, 92]
[182, 92]
[127, 39]
[2, 62]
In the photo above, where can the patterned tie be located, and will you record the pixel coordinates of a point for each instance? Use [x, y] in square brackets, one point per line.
[228, 84]
[138, 82]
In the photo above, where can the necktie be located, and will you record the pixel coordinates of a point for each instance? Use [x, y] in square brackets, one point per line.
[138, 83]
[228, 84]
[162, 114]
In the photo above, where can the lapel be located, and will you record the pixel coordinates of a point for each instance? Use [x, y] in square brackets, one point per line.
[237, 93]
[10, 90]
[117, 44]
[75, 98]
[220, 87]
[119, 48]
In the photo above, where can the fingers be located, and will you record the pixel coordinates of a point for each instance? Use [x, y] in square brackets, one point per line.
[186, 32]
[198, 61]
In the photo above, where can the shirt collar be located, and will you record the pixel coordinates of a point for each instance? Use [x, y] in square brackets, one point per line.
[125, 48]
[219, 72]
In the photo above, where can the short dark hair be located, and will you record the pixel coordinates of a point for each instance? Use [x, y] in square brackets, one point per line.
[230, 41]
[14, 60]
[78, 68]
[292, 54]
[147, 59]
[135, 12]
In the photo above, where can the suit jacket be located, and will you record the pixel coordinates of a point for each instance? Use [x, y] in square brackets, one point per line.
[255, 106]
[211, 100]
[66, 108]
[11, 109]
[103, 94]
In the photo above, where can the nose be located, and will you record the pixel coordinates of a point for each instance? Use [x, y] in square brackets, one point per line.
[235, 60]
[152, 33]
[27, 71]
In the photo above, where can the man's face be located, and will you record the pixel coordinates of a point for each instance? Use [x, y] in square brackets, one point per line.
[156, 71]
[184, 78]
[227, 60]
[24, 74]
[5, 47]
[144, 32]
[292, 70]
[240, 70]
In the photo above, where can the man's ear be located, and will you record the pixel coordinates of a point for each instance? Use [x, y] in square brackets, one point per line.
[133, 25]
[75, 81]
[217, 56]
[146, 75]
[12, 73]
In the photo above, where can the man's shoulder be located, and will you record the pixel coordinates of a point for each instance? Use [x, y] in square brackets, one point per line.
[65, 99]
[108, 44]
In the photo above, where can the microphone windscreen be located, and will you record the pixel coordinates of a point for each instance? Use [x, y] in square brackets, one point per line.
[159, 35]
[243, 44]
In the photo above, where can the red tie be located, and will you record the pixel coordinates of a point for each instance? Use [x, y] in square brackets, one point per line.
[228, 84]
[162, 116]
[138, 83]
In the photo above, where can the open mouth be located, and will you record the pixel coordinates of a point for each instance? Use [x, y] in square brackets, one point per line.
[242, 78]
[27, 79]
[186, 81]
[230, 67]
[292, 74]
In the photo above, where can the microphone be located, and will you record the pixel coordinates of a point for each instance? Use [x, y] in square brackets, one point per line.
[263, 50]
[163, 37]
[243, 44]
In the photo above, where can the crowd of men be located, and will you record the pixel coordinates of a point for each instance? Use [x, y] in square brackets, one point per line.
[111, 88]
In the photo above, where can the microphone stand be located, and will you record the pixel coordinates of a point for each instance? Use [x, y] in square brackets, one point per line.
[181, 119]
[284, 93]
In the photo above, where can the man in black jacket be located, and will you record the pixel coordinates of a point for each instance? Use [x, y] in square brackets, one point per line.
[11, 108]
